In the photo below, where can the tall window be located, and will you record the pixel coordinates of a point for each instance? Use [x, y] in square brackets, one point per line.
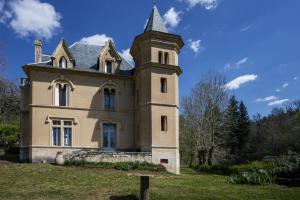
[109, 99]
[108, 67]
[63, 63]
[163, 85]
[164, 123]
[166, 58]
[65, 127]
[160, 57]
[56, 136]
[61, 94]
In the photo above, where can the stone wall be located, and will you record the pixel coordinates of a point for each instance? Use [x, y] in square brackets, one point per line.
[43, 154]
[113, 157]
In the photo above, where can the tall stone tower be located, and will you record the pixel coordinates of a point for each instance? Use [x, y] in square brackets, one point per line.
[155, 53]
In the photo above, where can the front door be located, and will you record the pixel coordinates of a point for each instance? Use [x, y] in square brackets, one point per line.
[109, 137]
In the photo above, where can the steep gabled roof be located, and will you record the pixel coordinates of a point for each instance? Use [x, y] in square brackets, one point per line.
[65, 47]
[155, 22]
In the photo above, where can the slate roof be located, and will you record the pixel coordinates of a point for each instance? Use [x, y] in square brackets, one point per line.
[86, 57]
[155, 22]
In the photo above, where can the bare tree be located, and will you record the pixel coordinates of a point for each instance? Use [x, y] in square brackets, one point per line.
[203, 110]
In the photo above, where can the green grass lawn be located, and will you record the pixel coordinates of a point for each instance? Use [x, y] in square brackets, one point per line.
[44, 181]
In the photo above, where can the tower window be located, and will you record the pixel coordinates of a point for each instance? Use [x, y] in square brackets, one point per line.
[160, 57]
[108, 67]
[63, 63]
[164, 123]
[166, 58]
[163, 85]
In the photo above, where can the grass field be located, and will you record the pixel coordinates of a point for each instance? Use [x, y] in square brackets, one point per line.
[44, 181]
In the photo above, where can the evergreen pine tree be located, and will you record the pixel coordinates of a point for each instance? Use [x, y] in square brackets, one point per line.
[231, 127]
[243, 131]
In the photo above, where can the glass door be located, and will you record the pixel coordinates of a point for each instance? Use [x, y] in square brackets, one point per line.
[109, 137]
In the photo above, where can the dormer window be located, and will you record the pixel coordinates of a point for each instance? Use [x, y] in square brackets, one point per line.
[108, 67]
[63, 63]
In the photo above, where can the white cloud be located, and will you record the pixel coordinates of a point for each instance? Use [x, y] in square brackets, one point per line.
[278, 90]
[266, 99]
[31, 17]
[207, 4]
[96, 39]
[285, 85]
[195, 45]
[127, 56]
[237, 65]
[172, 17]
[246, 28]
[295, 78]
[278, 102]
[236, 83]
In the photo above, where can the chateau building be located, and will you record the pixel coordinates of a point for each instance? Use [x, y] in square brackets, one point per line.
[86, 97]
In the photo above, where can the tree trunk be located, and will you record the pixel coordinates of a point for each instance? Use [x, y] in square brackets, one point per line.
[191, 159]
[210, 156]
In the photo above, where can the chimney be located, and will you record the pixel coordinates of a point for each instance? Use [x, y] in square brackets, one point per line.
[38, 51]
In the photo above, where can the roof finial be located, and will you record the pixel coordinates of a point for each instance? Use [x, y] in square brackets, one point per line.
[154, 3]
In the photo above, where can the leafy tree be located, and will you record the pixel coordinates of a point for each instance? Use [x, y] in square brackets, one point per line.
[9, 133]
[9, 112]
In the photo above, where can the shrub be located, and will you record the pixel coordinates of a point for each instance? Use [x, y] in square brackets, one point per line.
[253, 177]
[288, 166]
[124, 166]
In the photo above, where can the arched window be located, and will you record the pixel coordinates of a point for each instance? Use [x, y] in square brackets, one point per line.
[112, 99]
[167, 58]
[62, 94]
[106, 99]
[63, 63]
[109, 99]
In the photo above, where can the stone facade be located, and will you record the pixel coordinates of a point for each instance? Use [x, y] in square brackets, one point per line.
[66, 100]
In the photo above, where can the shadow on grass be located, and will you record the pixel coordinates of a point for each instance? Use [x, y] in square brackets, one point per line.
[127, 197]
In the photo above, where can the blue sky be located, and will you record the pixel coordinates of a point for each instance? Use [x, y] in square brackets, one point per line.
[256, 43]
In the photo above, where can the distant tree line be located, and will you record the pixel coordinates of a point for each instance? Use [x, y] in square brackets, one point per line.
[216, 127]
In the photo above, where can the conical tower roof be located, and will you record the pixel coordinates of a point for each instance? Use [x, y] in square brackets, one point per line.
[155, 22]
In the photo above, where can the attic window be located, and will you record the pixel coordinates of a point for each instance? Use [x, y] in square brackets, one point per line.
[63, 63]
[108, 67]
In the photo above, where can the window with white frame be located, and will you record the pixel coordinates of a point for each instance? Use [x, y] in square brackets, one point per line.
[59, 127]
[62, 92]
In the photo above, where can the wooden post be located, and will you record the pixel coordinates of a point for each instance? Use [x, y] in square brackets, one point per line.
[144, 188]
